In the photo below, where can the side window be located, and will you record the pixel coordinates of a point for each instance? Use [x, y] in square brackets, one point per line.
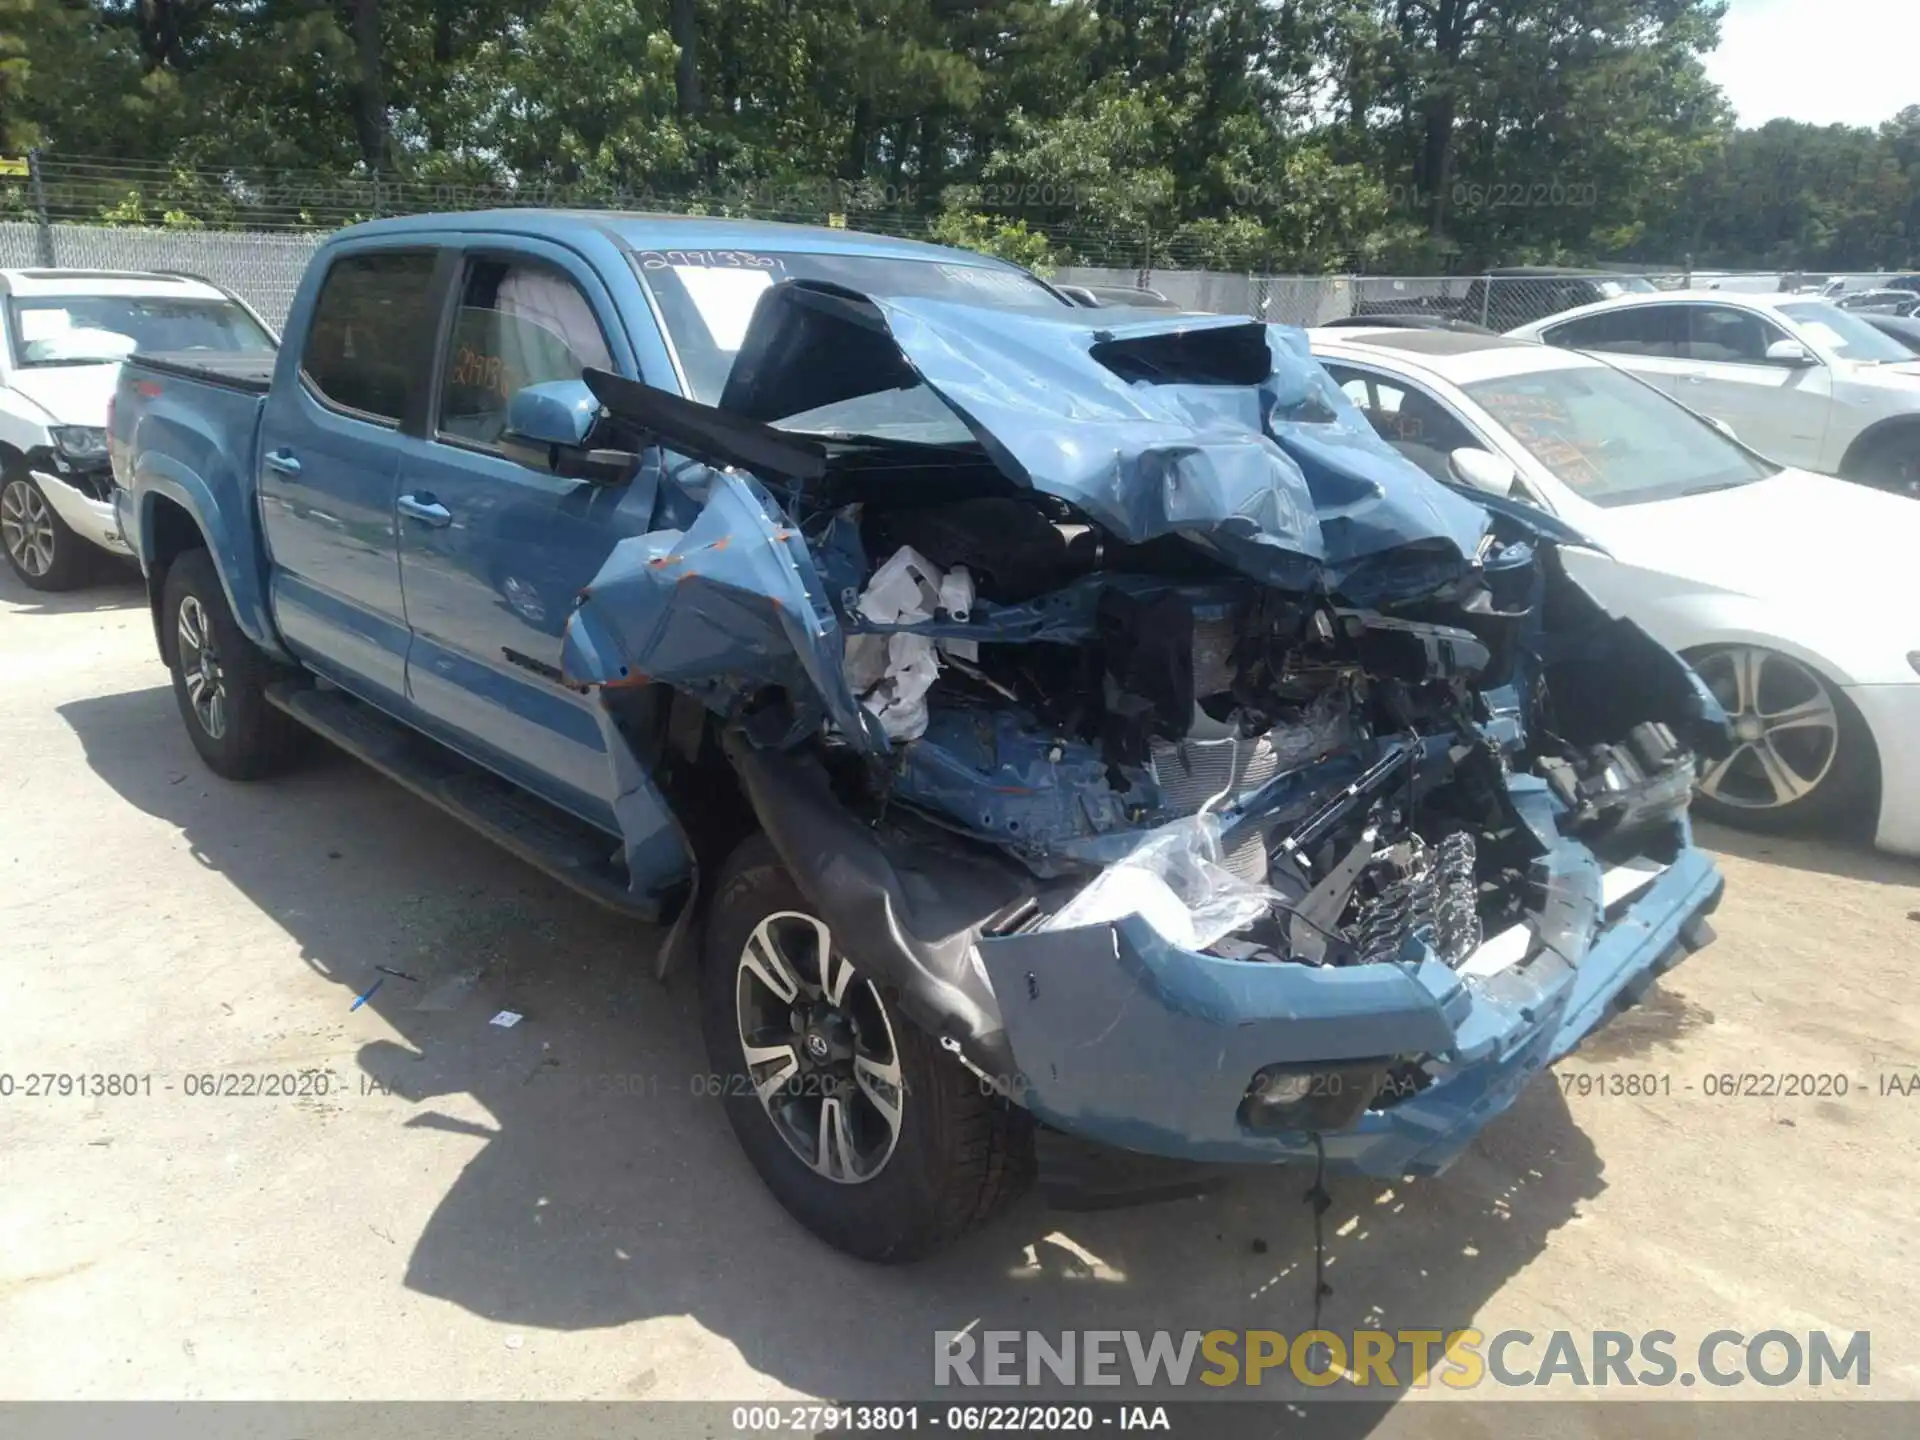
[1637, 330]
[370, 327]
[1408, 419]
[1737, 337]
[520, 323]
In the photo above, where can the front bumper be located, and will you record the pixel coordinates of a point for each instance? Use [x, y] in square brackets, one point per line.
[1122, 1040]
[1892, 713]
[89, 518]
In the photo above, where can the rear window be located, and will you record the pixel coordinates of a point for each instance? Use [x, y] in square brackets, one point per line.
[1636, 330]
[372, 332]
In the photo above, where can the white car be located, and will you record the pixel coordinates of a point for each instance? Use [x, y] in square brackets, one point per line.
[1796, 596]
[64, 336]
[1799, 379]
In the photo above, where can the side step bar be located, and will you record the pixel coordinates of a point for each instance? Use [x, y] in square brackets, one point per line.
[582, 858]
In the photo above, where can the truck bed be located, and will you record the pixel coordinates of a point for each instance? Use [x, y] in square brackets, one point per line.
[251, 372]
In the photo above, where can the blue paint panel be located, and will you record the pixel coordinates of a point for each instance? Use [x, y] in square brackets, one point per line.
[193, 445]
[1283, 476]
[731, 603]
[345, 642]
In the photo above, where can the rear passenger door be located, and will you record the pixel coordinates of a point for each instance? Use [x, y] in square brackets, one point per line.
[492, 551]
[329, 457]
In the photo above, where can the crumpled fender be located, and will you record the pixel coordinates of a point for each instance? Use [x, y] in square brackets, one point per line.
[730, 604]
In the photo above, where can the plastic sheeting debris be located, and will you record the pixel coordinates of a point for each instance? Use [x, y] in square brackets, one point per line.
[1174, 880]
[892, 673]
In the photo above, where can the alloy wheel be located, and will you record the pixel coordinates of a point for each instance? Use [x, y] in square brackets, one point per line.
[1786, 729]
[26, 527]
[819, 1049]
[200, 668]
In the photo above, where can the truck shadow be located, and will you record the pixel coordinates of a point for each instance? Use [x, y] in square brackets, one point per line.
[608, 1188]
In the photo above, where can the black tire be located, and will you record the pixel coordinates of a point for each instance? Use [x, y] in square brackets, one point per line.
[1890, 462]
[42, 551]
[961, 1153]
[252, 739]
[1846, 795]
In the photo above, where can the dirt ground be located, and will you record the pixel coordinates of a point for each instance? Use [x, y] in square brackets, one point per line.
[553, 1211]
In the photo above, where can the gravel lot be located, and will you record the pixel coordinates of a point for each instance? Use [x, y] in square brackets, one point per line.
[475, 1212]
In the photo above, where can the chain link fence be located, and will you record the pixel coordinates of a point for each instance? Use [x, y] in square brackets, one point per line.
[264, 268]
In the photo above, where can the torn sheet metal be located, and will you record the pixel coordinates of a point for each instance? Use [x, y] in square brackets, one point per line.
[1275, 470]
[728, 605]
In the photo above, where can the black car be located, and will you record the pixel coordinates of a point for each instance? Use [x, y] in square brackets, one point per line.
[1904, 328]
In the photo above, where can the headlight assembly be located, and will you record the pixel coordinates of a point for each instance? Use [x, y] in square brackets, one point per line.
[80, 442]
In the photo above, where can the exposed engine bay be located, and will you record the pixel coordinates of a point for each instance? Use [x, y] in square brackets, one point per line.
[1091, 693]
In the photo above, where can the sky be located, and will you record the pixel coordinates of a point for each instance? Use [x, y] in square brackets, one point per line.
[1851, 62]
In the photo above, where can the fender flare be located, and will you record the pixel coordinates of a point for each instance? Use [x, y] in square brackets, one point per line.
[240, 569]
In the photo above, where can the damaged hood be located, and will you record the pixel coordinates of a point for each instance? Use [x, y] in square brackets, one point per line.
[1217, 428]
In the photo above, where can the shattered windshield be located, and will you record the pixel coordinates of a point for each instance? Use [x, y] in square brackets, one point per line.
[1612, 440]
[706, 299]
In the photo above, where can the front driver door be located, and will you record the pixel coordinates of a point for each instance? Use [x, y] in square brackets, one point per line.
[494, 552]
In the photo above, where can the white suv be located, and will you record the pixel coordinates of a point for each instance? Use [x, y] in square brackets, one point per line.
[64, 336]
[1795, 377]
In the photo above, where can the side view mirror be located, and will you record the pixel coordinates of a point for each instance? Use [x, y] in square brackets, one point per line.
[1483, 470]
[554, 412]
[1791, 353]
[548, 428]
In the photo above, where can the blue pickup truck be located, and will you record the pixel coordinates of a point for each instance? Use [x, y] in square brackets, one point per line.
[1062, 740]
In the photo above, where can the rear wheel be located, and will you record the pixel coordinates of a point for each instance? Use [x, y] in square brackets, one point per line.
[1890, 462]
[1802, 755]
[220, 677]
[43, 552]
[868, 1134]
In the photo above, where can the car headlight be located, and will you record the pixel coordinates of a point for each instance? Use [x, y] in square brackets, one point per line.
[80, 442]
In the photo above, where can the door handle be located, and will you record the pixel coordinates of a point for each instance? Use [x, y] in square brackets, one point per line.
[426, 510]
[283, 461]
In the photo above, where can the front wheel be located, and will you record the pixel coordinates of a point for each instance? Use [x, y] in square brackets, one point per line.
[220, 677]
[1802, 755]
[868, 1134]
[43, 552]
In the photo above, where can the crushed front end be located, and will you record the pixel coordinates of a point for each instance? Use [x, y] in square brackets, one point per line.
[1207, 779]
